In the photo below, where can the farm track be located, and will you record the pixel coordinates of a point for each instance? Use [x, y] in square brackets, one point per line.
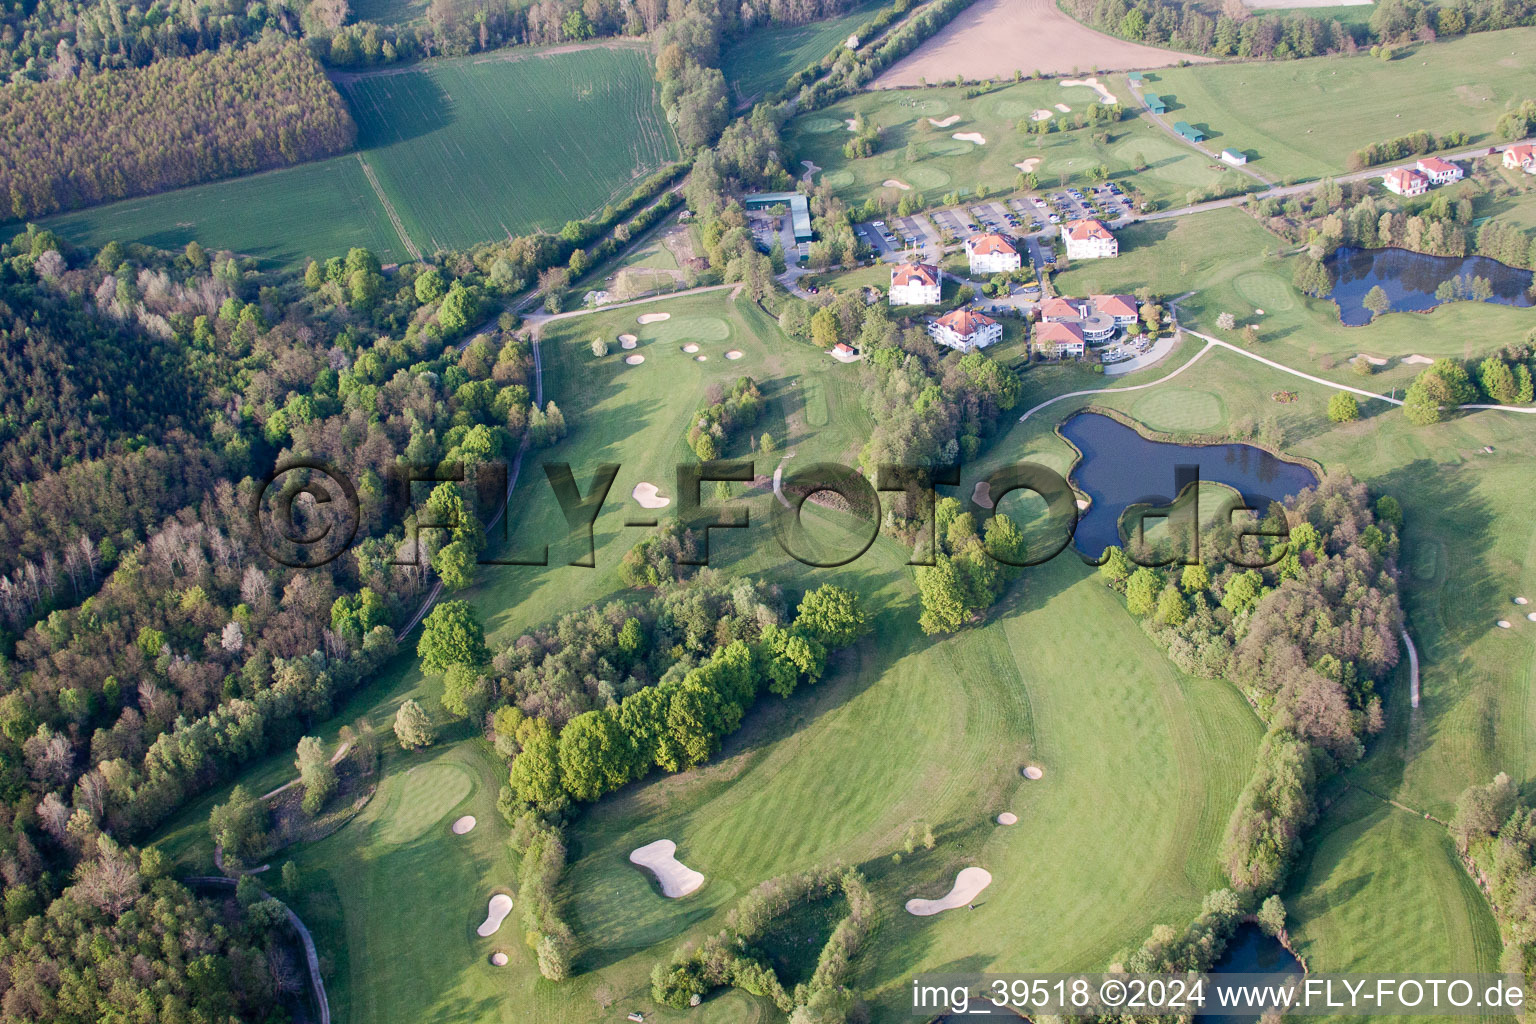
[389, 209]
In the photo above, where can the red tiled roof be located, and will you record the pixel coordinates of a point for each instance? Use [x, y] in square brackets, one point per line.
[965, 323]
[1081, 230]
[1522, 153]
[1115, 305]
[1059, 307]
[842, 348]
[990, 244]
[1059, 334]
[1404, 178]
[914, 273]
[1435, 165]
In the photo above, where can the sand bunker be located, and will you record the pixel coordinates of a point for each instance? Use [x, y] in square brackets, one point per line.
[1503, 624]
[968, 885]
[628, 341]
[1418, 360]
[1041, 115]
[1063, 108]
[1531, 616]
[495, 913]
[893, 183]
[676, 878]
[499, 959]
[653, 318]
[733, 354]
[975, 137]
[700, 359]
[852, 123]
[981, 494]
[1028, 165]
[1007, 818]
[1373, 360]
[951, 119]
[464, 825]
[1034, 772]
[1521, 600]
[690, 347]
[634, 360]
[648, 496]
[1093, 83]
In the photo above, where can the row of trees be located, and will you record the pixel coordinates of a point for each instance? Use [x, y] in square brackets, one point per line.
[1503, 379]
[1495, 832]
[1413, 144]
[1236, 31]
[81, 141]
[1307, 638]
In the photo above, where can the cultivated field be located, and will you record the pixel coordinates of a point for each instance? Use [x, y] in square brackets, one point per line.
[479, 148]
[995, 38]
[761, 62]
[464, 150]
[1305, 117]
[280, 217]
[946, 163]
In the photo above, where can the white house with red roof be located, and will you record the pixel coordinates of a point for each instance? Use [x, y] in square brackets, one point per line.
[991, 253]
[1121, 307]
[1088, 240]
[1058, 309]
[915, 284]
[1522, 157]
[965, 331]
[1440, 172]
[1406, 181]
[1055, 340]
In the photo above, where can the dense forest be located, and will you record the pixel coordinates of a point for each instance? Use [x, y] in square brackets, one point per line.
[1235, 31]
[79, 141]
[148, 646]
[1495, 832]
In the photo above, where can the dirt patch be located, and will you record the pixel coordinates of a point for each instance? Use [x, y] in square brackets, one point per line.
[995, 38]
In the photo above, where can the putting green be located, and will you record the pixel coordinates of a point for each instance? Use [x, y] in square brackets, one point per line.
[822, 125]
[931, 107]
[419, 798]
[949, 147]
[840, 178]
[1266, 291]
[919, 176]
[1013, 108]
[693, 328]
[1176, 409]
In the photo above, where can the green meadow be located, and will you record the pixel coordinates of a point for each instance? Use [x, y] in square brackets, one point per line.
[762, 61]
[464, 150]
[1303, 118]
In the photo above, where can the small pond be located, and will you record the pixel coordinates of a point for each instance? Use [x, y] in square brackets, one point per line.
[1120, 468]
[1411, 280]
[1250, 953]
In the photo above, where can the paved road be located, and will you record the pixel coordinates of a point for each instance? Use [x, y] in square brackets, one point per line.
[1413, 669]
[316, 985]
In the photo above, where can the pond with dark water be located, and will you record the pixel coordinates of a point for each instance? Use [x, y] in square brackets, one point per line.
[1411, 280]
[1250, 953]
[1120, 468]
